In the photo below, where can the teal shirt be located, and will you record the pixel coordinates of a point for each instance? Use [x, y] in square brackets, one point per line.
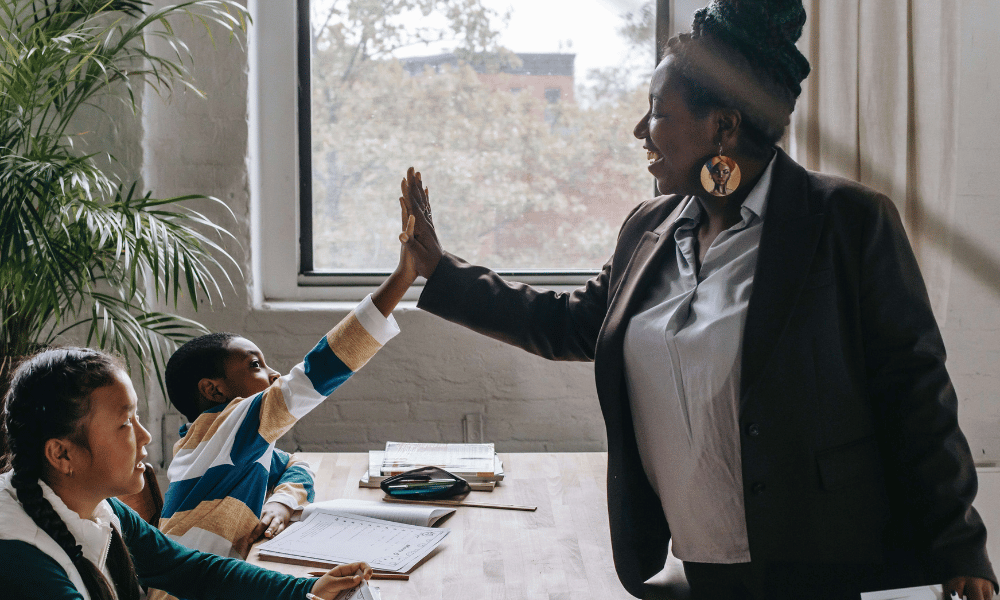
[28, 573]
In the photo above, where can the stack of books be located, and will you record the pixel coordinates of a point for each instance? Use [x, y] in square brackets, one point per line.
[476, 463]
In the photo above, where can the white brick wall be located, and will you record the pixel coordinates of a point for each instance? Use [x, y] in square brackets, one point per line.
[420, 389]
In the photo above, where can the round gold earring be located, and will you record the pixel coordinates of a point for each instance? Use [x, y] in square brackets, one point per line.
[720, 175]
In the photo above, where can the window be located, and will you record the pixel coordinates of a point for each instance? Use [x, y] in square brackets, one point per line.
[518, 114]
[518, 184]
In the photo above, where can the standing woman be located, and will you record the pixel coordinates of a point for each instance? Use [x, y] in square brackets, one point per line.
[770, 373]
[74, 443]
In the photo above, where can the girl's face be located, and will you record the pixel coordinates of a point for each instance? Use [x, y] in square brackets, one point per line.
[111, 465]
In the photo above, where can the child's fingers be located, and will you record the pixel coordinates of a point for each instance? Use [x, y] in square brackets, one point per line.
[348, 570]
[261, 526]
[411, 242]
[277, 526]
[274, 525]
[407, 230]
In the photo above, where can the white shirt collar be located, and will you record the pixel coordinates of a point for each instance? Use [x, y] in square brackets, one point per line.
[93, 534]
[756, 202]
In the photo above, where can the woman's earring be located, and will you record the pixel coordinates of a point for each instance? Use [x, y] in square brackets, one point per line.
[720, 175]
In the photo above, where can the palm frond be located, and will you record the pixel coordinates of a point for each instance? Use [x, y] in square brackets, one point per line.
[81, 249]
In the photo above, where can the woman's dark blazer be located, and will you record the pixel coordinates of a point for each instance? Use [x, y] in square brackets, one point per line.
[851, 448]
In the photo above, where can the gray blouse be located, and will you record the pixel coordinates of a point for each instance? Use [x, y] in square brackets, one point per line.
[682, 367]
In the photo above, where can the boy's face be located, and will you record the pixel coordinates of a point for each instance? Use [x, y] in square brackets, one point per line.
[246, 373]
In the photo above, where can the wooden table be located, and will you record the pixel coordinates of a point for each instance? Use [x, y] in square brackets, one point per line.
[562, 551]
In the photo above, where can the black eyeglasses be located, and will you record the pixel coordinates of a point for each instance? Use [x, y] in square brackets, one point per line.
[425, 483]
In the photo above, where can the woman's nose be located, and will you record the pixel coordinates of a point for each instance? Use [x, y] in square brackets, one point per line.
[642, 128]
[274, 375]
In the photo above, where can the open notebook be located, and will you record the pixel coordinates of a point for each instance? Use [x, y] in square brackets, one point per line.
[327, 535]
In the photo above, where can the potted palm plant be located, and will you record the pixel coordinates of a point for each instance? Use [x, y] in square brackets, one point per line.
[82, 249]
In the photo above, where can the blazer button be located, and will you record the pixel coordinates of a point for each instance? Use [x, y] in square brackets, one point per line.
[753, 429]
[758, 488]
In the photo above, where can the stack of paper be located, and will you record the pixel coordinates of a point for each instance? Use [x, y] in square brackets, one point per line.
[330, 538]
[476, 463]
[924, 592]
[409, 514]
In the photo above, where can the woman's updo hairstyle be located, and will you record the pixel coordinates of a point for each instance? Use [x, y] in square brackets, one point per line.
[741, 55]
[49, 397]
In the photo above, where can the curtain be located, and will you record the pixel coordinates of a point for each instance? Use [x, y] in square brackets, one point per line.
[881, 107]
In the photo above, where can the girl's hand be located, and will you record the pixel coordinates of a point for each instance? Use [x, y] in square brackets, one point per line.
[422, 244]
[341, 578]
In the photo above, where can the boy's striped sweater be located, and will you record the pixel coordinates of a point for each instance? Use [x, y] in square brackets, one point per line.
[222, 467]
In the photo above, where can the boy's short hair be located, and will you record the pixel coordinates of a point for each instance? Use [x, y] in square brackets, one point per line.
[202, 357]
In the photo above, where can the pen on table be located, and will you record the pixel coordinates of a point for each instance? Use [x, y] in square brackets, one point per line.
[375, 575]
[460, 503]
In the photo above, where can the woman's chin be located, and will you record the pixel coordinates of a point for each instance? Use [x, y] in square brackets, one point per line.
[664, 186]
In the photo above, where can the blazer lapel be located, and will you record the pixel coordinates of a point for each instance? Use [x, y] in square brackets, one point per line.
[792, 228]
[635, 279]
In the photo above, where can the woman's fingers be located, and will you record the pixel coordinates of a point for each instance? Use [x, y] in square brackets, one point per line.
[417, 196]
[415, 186]
[421, 240]
[971, 588]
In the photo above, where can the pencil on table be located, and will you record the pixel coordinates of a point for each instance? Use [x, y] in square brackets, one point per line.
[375, 575]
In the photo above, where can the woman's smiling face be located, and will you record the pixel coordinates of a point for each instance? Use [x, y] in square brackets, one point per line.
[677, 142]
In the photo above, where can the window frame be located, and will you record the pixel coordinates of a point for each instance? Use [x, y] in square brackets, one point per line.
[281, 167]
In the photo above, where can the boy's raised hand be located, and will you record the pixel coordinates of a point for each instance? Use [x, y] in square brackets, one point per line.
[421, 241]
[407, 267]
[392, 289]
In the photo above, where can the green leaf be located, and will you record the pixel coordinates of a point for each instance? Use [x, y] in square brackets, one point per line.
[80, 249]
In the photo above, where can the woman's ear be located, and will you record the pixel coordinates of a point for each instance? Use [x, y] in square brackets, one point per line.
[57, 454]
[727, 123]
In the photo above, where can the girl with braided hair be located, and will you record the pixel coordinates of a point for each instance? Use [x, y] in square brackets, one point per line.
[74, 443]
[770, 372]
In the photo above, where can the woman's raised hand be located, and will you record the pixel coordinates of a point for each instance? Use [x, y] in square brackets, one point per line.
[343, 577]
[421, 240]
